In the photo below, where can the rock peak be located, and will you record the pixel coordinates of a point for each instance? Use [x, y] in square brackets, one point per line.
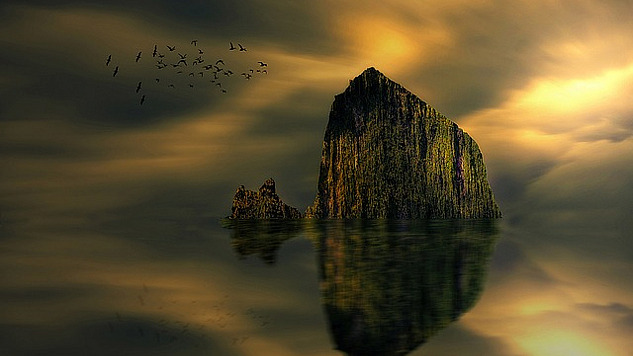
[368, 77]
[262, 204]
[268, 188]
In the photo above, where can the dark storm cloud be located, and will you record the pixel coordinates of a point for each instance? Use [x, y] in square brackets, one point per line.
[295, 26]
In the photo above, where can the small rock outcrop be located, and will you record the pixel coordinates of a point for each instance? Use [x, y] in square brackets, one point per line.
[388, 154]
[263, 204]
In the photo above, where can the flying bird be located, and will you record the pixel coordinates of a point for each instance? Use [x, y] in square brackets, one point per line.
[171, 48]
[138, 87]
[171, 86]
[200, 51]
[219, 61]
[138, 56]
[242, 49]
[262, 64]
[232, 47]
[182, 61]
[116, 70]
[142, 100]
[182, 56]
[157, 80]
[108, 60]
[194, 42]
[155, 51]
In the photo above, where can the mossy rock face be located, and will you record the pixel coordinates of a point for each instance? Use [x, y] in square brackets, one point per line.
[387, 154]
[262, 204]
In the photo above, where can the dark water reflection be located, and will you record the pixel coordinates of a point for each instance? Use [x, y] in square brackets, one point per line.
[386, 286]
[180, 283]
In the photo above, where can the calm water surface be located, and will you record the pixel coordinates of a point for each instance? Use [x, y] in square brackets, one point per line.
[197, 285]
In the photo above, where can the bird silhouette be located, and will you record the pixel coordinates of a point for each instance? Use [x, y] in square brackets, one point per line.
[171, 48]
[232, 47]
[200, 51]
[171, 86]
[182, 56]
[138, 56]
[155, 51]
[157, 80]
[116, 70]
[219, 61]
[108, 60]
[242, 49]
[194, 42]
[138, 87]
[182, 61]
[262, 64]
[142, 100]
[265, 71]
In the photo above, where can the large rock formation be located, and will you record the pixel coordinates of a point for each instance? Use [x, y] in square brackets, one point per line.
[263, 204]
[387, 154]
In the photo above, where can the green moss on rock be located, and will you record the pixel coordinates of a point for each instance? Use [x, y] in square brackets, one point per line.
[388, 154]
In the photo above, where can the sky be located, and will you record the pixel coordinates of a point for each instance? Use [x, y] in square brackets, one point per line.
[543, 86]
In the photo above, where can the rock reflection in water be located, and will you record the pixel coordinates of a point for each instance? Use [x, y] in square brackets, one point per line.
[261, 237]
[388, 286]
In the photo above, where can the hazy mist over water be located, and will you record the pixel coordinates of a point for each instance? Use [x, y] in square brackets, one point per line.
[195, 285]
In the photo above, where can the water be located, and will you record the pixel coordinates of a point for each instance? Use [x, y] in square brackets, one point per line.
[196, 285]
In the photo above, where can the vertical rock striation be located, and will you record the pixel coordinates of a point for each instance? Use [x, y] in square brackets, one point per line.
[387, 154]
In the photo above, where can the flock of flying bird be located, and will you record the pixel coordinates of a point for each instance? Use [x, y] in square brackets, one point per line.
[172, 63]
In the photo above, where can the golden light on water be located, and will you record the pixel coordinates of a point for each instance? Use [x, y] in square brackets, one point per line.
[562, 343]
